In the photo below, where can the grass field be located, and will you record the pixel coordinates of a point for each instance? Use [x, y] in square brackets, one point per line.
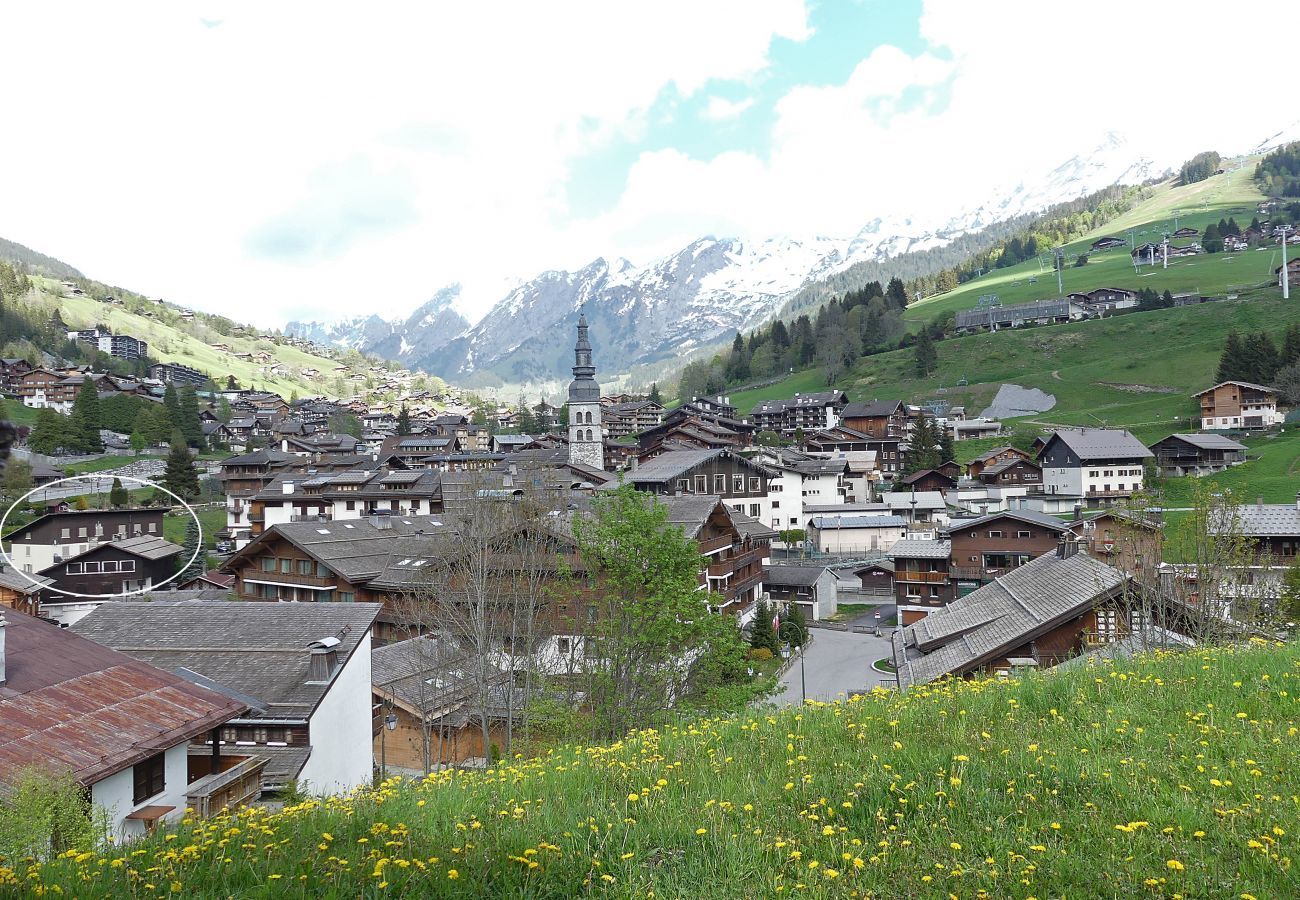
[1221, 197]
[1271, 474]
[1166, 776]
[210, 521]
[1136, 371]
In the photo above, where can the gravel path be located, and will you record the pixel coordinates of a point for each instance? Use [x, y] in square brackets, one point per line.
[1013, 400]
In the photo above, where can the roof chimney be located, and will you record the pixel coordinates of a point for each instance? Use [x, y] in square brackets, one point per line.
[1067, 548]
[2, 648]
[324, 659]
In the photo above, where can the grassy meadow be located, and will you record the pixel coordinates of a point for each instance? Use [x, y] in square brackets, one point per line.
[1168, 776]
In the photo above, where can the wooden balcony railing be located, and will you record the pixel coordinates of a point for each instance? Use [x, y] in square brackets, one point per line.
[239, 784]
[290, 578]
[921, 577]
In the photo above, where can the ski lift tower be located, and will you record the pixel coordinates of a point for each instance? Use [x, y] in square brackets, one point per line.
[988, 302]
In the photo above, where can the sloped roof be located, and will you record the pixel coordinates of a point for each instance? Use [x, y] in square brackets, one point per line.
[258, 649]
[1207, 441]
[1100, 443]
[831, 523]
[871, 409]
[1020, 515]
[1246, 384]
[1002, 465]
[71, 704]
[1002, 615]
[145, 546]
[793, 576]
[920, 548]
[1268, 519]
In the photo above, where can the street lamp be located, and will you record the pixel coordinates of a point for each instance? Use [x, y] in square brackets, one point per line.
[803, 674]
[390, 724]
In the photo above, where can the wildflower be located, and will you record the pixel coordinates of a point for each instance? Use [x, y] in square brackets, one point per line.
[954, 845]
[701, 831]
[1175, 865]
[453, 874]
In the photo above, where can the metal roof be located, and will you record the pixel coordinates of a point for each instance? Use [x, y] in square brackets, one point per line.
[1101, 443]
[793, 576]
[69, 703]
[836, 522]
[919, 548]
[1206, 441]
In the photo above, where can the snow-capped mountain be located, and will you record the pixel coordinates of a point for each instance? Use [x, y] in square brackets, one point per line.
[690, 299]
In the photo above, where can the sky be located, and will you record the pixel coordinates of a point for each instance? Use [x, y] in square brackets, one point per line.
[314, 161]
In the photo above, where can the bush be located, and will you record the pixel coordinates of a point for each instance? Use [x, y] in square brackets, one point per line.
[759, 654]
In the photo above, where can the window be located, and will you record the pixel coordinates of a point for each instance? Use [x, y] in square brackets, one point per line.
[719, 484]
[753, 510]
[347, 597]
[754, 487]
[351, 504]
[66, 533]
[74, 568]
[1024, 534]
[738, 484]
[150, 778]
[286, 566]
[1107, 624]
[995, 534]
[776, 504]
[563, 645]
[591, 612]
[91, 567]
[137, 528]
[268, 563]
[153, 527]
[683, 485]
[701, 484]
[81, 532]
[110, 565]
[127, 565]
[305, 567]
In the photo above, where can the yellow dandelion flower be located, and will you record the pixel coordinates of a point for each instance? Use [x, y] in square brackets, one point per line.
[1175, 865]
[453, 874]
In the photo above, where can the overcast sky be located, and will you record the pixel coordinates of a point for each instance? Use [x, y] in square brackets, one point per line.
[277, 160]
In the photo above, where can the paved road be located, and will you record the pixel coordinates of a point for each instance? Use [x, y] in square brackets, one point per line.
[838, 664]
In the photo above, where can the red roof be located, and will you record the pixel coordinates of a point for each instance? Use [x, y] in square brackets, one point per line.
[71, 704]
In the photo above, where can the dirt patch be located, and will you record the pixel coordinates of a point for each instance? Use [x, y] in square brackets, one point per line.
[1139, 388]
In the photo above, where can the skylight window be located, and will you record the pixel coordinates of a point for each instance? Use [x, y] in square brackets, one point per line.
[322, 531]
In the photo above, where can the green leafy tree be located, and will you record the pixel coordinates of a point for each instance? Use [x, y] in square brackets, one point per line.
[656, 643]
[85, 420]
[117, 495]
[43, 814]
[138, 442]
[796, 632]
[15, 480]
[180, 476]
[1291, 593]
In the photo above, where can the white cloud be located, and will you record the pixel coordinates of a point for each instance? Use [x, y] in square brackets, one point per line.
[307, 159]
[382, 152]
[720, 109]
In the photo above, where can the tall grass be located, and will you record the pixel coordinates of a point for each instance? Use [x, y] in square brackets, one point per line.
[1173, 775]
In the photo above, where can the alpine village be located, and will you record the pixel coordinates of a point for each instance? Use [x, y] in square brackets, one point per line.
[969, 572]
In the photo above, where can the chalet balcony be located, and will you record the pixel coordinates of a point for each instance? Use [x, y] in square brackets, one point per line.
[733, 591]
[921, 577]
[292, 579]
[256, 514]
[975, 573]
[735, 563]
[235, 787]
[310, 517]
[713, 545]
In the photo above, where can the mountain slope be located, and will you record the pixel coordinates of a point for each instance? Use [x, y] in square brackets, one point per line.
[697, 296]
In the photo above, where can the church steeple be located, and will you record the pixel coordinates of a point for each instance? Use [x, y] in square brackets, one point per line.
[586, 440]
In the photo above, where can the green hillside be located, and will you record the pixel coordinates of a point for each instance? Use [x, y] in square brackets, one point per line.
[1232, 194]
[1170, 776]
[189, 342]
[1138, 369]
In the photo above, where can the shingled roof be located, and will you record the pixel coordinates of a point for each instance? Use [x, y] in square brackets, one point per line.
[1100, 443]
[68, 703]
[1002, 615]
[257, 649]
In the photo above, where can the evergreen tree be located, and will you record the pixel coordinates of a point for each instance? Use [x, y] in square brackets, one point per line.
[191, 550]
[187, 402]
[86, 418]
[403, 421]
[896, 293]
[763, 635]
[947, 450]
[654, 394]
[180, 476]
[172, 403]
[925, 358]
[155, 424]
[1232, 361]
[231, 383]
[1290, 354]
[1263, 357]
[796, 632]
[738, 361]
[117, 495]
[780, 336]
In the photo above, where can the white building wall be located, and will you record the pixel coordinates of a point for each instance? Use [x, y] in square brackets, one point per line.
[115, 794]
[342, 754]
[857, 540]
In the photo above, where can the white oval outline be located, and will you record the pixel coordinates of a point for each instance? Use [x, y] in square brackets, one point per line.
[141, 591]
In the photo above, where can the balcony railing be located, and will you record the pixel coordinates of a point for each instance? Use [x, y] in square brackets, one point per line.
[733, 591]
[921, 577]
[310, 517]
[736, 563]
[232, 788]
[715, 544]
[290, 578]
